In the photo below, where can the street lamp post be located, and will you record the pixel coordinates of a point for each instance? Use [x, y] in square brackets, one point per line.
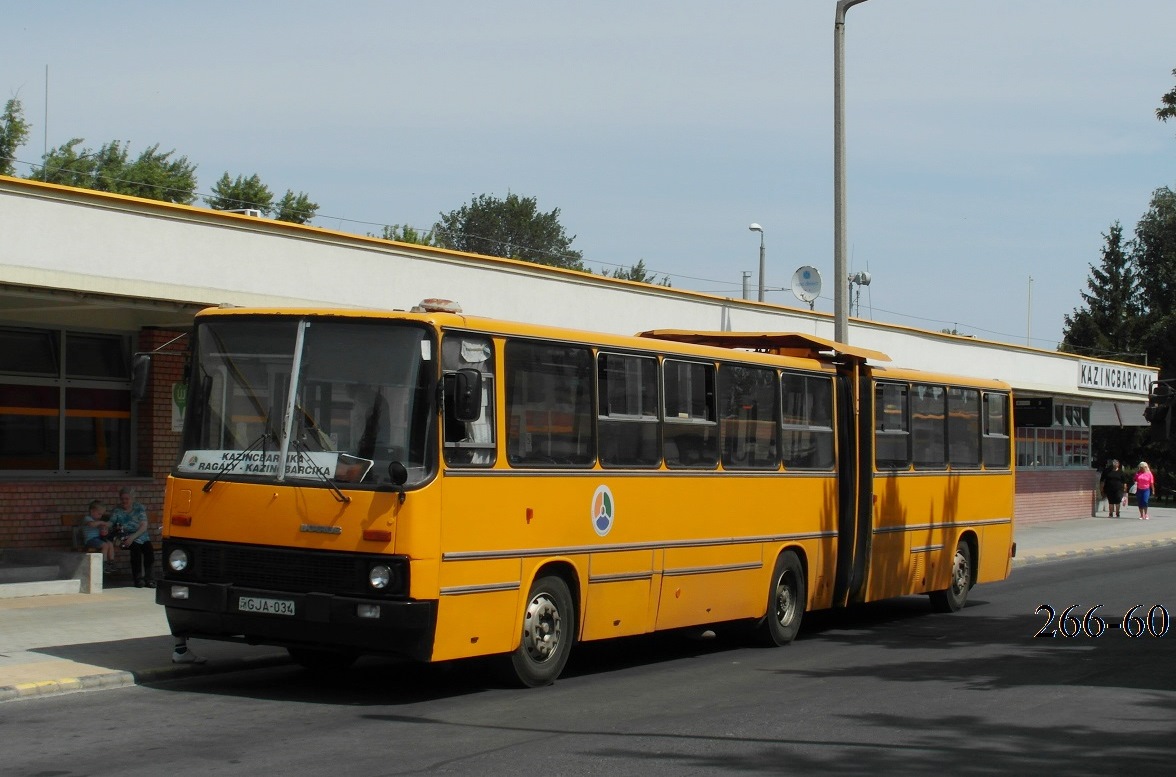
[840, 271]
[758, 228]
[1029, 315]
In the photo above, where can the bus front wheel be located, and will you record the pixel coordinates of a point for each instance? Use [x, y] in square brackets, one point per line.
[549, 627]
[952, 598]
[786, 602]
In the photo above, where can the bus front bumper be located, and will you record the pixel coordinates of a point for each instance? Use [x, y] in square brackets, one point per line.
[317, 620]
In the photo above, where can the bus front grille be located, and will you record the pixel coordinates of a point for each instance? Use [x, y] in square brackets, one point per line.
[287, 569]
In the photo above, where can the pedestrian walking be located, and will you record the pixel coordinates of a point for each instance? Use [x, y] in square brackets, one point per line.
[1145, 483]
[1111, 482]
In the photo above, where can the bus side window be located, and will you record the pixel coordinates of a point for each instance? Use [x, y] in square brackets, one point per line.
[549, 404]
[749, 416]
[807, 439]
[891, 429]
[469, 443]
[928, 426]
[963, 428]
[690, 418]
[996, 431]
[628, 422]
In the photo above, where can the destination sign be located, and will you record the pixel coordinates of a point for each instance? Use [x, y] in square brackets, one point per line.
[298, 464]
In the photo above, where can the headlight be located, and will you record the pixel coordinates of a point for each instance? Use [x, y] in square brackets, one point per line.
[379, 576]
[178, 559]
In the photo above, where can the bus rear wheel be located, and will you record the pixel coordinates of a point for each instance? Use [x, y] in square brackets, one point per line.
[952, 598]
[549, 627]
[786, 602]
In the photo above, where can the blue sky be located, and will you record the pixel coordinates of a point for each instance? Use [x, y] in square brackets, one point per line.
[987, 140]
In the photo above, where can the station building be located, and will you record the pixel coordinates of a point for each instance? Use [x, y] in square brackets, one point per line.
[89, 278]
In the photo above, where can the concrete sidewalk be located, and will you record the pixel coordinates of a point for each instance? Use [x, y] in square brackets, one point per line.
[74, 642]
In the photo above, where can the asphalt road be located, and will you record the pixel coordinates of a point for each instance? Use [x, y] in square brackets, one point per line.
[883, 689]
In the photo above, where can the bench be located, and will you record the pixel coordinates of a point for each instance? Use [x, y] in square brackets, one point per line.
[74, 521]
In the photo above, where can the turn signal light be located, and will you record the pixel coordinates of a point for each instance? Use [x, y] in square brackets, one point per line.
[377, 535]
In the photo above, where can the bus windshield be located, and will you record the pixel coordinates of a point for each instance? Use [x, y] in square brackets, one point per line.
[361, 401]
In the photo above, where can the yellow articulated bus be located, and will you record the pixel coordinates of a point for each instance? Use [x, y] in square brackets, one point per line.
[440, 486]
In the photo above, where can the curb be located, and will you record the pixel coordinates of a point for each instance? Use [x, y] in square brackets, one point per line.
[66, 685]
[123, 679]
[1044, 558]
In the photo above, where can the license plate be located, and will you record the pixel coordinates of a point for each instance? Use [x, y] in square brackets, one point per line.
[266, 606]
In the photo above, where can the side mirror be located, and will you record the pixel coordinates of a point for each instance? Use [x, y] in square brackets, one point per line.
[140, 375]
[397, 473]
[464, 390]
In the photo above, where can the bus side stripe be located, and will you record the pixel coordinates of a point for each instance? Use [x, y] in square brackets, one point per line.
[720, 568]
[479, 555]
[620, 577]
[458, 590]
[945, 525]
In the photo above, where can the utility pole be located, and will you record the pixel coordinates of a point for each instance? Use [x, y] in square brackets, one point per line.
[840, 270]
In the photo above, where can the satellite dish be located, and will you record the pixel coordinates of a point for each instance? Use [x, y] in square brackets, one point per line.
[806, 284]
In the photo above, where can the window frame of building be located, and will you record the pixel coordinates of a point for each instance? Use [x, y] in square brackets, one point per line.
[1065, 445]
[89, 428]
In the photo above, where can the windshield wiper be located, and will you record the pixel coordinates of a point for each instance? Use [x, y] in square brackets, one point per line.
[302, 449]
[232, 464]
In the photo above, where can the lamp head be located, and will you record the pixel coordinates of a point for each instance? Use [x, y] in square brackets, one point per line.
[756, 228]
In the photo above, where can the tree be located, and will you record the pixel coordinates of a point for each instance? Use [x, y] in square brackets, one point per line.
[1110, 323]
[14, 131]
[406, 234]
[241, 193]
[157, 176]
[1167, 109]
[638, 273]
[153, 174]
[1155, 256]
[295, 208]
[513, 228]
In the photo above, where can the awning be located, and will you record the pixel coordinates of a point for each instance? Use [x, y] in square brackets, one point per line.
[1104, 413]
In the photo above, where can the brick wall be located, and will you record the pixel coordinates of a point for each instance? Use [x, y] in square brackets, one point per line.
[159, 446]
[1050, 495]
[31, 510]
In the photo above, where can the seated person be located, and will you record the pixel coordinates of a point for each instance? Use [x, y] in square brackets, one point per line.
[96, 531]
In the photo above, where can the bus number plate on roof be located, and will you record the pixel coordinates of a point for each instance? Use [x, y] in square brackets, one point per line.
[265, 606]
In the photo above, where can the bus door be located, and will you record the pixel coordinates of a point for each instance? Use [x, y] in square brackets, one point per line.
[846, 487]
[854, 481]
